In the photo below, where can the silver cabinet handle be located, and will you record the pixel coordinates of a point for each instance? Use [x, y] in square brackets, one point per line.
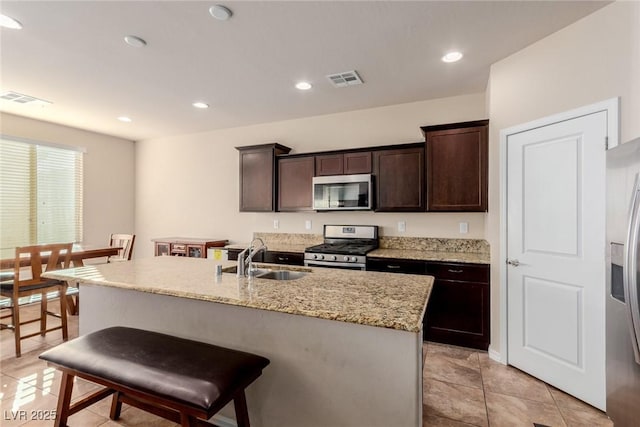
[513, 262]
[454, 271]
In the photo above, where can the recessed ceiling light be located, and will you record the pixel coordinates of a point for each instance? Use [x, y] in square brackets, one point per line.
[200, 105]
[9, 22]
[452, 57]
[303, 86]
[135, 41]
[125, 119]
[220, 12]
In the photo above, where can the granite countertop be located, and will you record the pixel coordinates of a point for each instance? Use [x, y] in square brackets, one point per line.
[422, 255]
[387, 300]
[473, 251]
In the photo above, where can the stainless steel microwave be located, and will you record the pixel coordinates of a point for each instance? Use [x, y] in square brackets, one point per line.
[343, 192]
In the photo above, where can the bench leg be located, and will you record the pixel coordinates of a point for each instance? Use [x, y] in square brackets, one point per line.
[188, 420]
[64, 400]
[116, 406]
[43, 313]
[240, 405]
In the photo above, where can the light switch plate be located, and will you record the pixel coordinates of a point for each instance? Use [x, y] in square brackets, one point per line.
[307, 224]
[276, 224]
[402, 226]
[464, 227]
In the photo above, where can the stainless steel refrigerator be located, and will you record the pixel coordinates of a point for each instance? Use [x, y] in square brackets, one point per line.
[623, 280]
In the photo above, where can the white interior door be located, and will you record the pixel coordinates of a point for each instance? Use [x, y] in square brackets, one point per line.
[555, 250]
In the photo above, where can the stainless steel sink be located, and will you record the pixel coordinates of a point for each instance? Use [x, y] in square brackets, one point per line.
[269, 274]
[281, 275]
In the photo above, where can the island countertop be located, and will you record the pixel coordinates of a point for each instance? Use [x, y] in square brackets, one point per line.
[386, 300]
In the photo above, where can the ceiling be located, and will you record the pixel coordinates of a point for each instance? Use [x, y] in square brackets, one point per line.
[73, 54]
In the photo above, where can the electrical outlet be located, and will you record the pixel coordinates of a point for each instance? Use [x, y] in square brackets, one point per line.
[464, 227]
[276, 224]
[307, 224]
[402, 226]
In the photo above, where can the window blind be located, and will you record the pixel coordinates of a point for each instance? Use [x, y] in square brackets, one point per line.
[40, 193]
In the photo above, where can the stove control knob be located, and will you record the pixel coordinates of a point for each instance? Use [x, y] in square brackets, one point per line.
[320, 256]
[353, 259]
[346, 258]
[333, 257]
[315, 256]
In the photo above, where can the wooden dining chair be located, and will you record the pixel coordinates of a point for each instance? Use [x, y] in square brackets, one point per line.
[125, 241]
[28, 281]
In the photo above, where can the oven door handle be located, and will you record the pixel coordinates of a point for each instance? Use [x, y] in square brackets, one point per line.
[352, 265]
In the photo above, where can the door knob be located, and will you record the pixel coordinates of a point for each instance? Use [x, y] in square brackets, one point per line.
[513, 262]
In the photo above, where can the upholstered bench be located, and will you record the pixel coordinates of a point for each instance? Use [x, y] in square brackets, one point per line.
[178, 379]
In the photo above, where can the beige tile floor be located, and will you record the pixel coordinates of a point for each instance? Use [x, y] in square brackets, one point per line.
[462, 387]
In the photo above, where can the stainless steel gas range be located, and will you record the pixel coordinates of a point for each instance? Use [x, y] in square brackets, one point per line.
[345, 246]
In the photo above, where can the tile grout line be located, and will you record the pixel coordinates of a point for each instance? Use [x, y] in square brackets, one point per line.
[555, 401]
[484, 391]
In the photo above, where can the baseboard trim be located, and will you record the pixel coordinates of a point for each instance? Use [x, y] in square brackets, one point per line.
[495, 355]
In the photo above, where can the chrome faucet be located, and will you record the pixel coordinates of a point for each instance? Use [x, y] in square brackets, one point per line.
[245, 258]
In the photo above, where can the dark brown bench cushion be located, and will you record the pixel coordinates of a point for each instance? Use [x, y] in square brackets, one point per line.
[192, 372]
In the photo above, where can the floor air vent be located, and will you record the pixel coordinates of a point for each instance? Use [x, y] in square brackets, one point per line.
[20, 98]
[347, 78]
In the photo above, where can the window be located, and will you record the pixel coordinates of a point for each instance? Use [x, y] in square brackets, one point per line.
[40, 193]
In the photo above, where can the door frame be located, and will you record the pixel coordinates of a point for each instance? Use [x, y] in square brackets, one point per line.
[612, 108]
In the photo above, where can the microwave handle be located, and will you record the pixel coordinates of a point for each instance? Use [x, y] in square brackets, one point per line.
[630, 276]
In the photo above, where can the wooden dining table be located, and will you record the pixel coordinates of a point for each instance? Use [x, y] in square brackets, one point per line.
[79, 253]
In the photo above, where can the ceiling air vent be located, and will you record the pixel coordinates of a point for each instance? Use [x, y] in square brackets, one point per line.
[20, 98]
[347, 78]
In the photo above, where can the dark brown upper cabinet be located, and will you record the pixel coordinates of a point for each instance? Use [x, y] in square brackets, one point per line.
[257, 176]
[456, 173]
[399, 179]
[295, 187]
[356, 162]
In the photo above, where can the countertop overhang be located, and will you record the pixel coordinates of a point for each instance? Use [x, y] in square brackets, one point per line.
[387, 300]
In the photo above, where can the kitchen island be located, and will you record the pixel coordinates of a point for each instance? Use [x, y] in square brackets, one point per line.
[345, 346]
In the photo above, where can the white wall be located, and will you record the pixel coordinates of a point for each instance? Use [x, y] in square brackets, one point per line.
[188, 185]
[108, 173]
[594, 59]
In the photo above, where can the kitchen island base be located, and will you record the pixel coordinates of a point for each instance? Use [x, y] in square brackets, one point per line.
[322, 373]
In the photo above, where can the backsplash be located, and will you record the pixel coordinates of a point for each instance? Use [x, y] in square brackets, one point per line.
[386, 242]
[435, 244]
[305, 239]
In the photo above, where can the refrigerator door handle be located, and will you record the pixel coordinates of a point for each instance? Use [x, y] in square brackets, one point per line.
[630, 276]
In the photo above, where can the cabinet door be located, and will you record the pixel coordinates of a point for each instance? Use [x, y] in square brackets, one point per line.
[162, 248]
[457, 169]
[256, 180]
[196, 251]
[295, 175]
[330, 164]
[358, 162]
[232, 254]
[458, 314]
[399, 179]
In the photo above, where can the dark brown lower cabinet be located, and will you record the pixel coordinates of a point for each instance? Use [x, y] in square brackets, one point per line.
[271, 257]
[458, 311]
[290, 258]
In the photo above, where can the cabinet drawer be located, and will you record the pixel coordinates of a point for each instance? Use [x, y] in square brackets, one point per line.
[458, 271]
[290, 258]
[394, 265]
